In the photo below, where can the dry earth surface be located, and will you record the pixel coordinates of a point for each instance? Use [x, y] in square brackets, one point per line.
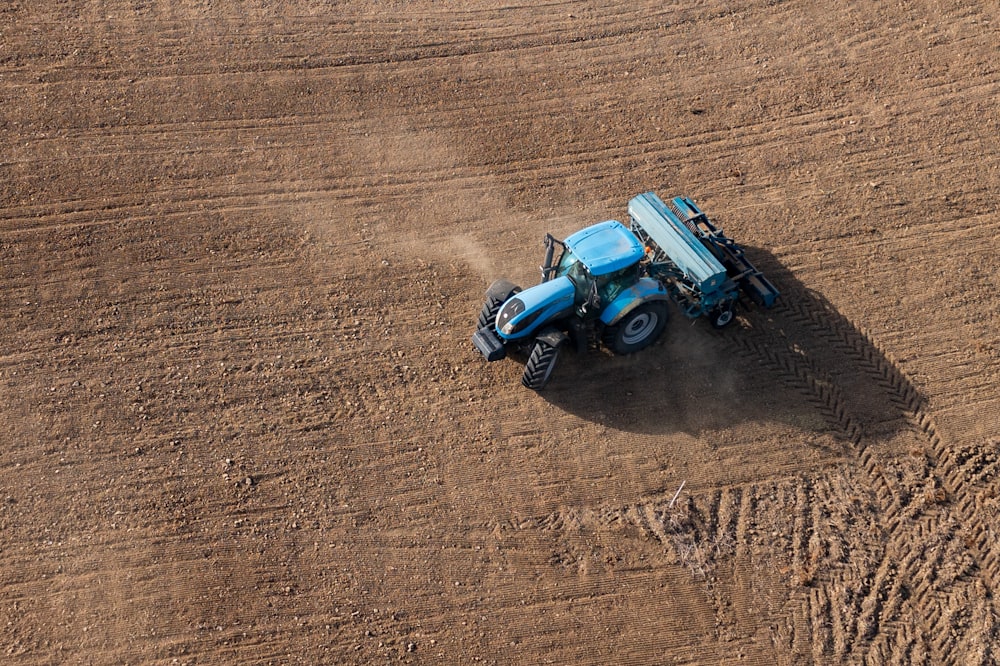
[242, 248]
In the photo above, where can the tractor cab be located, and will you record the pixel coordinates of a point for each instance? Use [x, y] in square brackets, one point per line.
[601, 261]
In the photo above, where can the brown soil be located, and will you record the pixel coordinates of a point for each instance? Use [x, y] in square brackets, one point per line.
[242, 246]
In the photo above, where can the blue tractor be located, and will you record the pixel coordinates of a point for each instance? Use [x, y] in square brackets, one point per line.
[612, 285]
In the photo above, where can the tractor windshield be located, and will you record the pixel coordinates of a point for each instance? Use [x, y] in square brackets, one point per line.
[571, 266]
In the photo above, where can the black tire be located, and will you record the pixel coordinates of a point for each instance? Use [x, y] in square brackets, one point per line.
[496, 296]
[541, 363]
[638, 329]
[722, 316]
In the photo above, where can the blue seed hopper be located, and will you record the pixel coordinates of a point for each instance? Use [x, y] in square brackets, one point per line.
[703, 269]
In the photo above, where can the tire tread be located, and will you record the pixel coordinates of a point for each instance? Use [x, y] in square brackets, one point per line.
[538, 369]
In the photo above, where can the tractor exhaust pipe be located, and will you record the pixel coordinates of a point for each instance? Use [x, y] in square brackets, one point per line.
[550, 250]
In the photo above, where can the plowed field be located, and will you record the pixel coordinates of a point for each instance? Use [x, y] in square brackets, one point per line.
[242, 249]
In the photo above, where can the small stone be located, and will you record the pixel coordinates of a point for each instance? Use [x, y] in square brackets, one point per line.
[411, 647]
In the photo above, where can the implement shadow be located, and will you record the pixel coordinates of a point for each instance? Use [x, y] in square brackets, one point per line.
[801, 363]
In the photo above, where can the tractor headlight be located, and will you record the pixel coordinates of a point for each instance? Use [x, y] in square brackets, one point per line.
[515, 327]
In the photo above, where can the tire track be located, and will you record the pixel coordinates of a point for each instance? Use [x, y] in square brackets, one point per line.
[863, 607]
[354, 186]
[368, 41]
[902, 516]
[947, 462]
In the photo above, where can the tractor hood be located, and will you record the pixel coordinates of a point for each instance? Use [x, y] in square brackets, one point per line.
[523, 314]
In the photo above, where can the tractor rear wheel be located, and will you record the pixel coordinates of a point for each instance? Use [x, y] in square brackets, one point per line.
[540, 365]
[638, 329]
[498, 294]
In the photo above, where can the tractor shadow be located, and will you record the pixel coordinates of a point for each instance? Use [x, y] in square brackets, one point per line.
[800, 363]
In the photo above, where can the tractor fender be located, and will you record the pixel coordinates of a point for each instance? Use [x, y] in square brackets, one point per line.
[553, 337]
[643, 291]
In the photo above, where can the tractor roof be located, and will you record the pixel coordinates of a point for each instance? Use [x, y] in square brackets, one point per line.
[606, 247]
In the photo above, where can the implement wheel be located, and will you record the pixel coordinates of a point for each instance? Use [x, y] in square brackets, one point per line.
[638, 329]
[722, 316]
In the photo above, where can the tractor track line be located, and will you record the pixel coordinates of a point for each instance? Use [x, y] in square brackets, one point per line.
[875, 362]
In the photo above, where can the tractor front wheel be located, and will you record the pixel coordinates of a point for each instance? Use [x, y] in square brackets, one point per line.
[498, 294]
[540, 365]
[638, 329]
